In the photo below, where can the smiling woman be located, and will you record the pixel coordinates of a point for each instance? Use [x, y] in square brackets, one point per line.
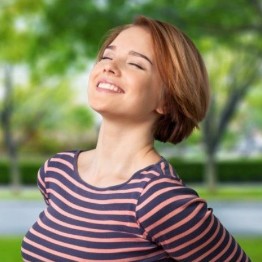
[127, 67]
[122, 201]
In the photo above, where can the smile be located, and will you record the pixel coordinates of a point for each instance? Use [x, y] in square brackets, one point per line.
[110, 87]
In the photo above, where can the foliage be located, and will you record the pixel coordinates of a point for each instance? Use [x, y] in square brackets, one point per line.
[227, 31]
[41, 110]
[54, 40]
[57, 39]
[38, 104]
[15, 38]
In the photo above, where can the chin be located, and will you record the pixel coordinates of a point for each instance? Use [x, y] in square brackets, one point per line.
[98, 108]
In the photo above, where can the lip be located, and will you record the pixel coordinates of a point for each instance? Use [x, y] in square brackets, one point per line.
[109, 86]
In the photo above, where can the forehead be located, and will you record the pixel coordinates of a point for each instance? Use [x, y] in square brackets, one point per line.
[135, 38]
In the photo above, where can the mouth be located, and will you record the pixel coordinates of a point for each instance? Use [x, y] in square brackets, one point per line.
[109, 87]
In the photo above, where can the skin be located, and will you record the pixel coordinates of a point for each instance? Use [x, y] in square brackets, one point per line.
[124, 87]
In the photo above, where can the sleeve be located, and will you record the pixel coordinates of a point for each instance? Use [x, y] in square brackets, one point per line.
[41, 181]
[175, 218]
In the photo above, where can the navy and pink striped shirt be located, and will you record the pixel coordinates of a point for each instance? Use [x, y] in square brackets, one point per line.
[151, 217]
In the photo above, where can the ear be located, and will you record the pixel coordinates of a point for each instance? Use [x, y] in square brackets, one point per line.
[160, 107]
[160, 110]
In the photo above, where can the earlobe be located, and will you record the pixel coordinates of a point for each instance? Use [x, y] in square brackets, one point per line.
[160, 107]
[160, 110]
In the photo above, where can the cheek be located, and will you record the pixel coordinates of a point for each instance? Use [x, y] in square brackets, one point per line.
[90, 89]
[91, 83]
[149, 90]
[92, 75]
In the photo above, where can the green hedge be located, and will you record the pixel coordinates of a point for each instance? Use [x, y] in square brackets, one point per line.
[240, 170]
[190, 172]
[28, 171]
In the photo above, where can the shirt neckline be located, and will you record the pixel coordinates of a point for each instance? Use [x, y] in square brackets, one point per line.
[79, 178]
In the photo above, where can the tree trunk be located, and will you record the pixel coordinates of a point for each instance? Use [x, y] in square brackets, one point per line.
[210, 173]
[9, 141]
[209, 139]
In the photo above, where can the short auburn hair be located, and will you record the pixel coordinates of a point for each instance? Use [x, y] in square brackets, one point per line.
[185, 94]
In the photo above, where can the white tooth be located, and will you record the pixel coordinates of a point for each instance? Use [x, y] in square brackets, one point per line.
[108, 86]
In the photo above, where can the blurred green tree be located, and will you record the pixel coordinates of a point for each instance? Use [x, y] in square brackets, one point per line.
[13, 46]
[229, 35]
[65, 33]
[29, 109]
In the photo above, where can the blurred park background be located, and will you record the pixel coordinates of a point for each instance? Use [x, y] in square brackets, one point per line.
[47, 48]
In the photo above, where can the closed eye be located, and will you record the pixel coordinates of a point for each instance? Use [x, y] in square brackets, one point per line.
[105, 57]
[137, 65]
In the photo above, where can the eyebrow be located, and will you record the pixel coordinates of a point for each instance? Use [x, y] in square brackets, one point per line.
[134, 53]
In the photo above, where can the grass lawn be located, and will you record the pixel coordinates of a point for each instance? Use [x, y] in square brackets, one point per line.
[10, 248]
[28, 193]
[231, 192]
[252, 246]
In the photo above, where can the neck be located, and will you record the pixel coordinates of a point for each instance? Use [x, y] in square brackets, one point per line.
[120, 146]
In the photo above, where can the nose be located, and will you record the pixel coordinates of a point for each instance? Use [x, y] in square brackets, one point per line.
[111, 67]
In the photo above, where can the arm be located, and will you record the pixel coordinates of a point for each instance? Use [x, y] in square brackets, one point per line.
[174, 217]
[41, 181]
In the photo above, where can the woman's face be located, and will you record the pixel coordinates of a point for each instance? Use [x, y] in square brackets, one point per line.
[125, 84]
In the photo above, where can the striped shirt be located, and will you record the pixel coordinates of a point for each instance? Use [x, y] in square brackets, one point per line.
[151, 217]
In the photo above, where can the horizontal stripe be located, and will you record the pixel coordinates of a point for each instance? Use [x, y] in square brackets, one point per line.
[93, 221]
[74, 227]
[81, 186]
[62, 161]
[85, 238]
[86, 249]
[32, 254]
[49, 251]
[55, 181]
[89, 210]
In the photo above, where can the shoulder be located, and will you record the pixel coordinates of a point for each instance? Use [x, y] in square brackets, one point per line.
[160, 173]
[65, 156]
[61, 160]
[164, 185]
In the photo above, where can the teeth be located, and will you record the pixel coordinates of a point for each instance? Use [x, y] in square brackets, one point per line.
[109, 86]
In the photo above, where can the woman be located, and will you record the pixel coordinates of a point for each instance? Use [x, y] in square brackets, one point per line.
[122, 201]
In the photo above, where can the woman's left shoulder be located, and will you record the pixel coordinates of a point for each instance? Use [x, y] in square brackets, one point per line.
[166, 170]
[163, 177]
